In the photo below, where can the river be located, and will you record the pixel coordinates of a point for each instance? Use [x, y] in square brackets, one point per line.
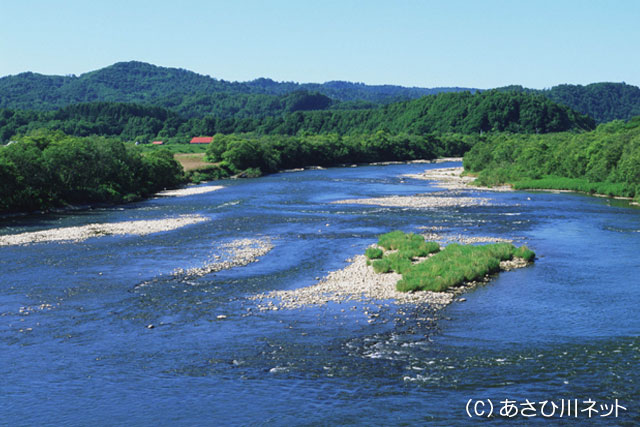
[76, 349]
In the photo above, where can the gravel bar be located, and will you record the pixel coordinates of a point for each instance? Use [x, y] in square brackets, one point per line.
[80, 233]
[237, 253]
[418, 201]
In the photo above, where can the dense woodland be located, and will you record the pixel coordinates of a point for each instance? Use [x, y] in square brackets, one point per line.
[603, 102]
[51, 169]
[256, 154]
[605, 161]
[443, 113]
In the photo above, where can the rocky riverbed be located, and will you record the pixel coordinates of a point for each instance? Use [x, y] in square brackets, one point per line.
[355, 282]
[224, 256]
[233, 254]
[80, 233]
[359, 282]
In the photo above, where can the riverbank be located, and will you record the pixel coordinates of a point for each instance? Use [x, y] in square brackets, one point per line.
[81, 233]
[189, 191]
[454, 179]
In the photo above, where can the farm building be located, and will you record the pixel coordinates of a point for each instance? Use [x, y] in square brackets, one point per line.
[201, 140]
[157, 142]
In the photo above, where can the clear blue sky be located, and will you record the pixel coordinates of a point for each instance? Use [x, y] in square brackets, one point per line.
[483, 43]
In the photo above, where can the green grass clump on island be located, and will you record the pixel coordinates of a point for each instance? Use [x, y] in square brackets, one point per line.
[410, 245]
[452, 266]
[373, 253]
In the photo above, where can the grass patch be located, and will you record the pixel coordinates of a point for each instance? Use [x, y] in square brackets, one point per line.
[174, 148]
[452, 266]
[373, 253]
[410, 245]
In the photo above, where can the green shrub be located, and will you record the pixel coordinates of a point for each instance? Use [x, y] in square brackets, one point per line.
[382, 265]
[411, 245]
[373, 253]
[524, 252]
[399, 262]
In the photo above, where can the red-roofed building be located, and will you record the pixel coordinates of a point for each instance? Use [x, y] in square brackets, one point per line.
[201, 140]
[157, 142]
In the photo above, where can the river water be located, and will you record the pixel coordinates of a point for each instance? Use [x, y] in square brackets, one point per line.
[80, 353]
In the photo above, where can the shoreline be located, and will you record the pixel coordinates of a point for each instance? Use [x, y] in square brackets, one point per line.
[453, 179]
[387, 163]
[189, 190]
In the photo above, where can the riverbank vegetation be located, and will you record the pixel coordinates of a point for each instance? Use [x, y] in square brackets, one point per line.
[272, 153]
[604, 161]
[451, 266]
[47, 169]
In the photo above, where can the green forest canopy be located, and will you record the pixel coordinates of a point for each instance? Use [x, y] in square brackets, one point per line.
[462, 112]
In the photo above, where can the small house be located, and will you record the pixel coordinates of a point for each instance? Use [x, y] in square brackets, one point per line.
[157, 142]
[201, 140]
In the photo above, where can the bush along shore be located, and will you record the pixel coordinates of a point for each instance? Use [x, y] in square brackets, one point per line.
[425, 267]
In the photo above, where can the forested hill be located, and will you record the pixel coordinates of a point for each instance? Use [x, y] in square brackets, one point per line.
[195, 95]
[186, 92]
[464, 113]
[602, 101]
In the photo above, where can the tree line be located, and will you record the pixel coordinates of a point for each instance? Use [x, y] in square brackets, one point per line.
[254, 154]
[606, 160]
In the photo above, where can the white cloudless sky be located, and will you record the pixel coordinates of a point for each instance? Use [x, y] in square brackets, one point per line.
[483, 43]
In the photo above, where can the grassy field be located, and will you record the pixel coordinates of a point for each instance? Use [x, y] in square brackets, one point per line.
[175, 148]
[191, 162]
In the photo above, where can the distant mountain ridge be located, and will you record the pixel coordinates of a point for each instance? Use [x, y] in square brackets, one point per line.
[195, 95]
[139, 82]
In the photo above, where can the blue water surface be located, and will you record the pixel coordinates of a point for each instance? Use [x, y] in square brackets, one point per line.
[80, 353]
